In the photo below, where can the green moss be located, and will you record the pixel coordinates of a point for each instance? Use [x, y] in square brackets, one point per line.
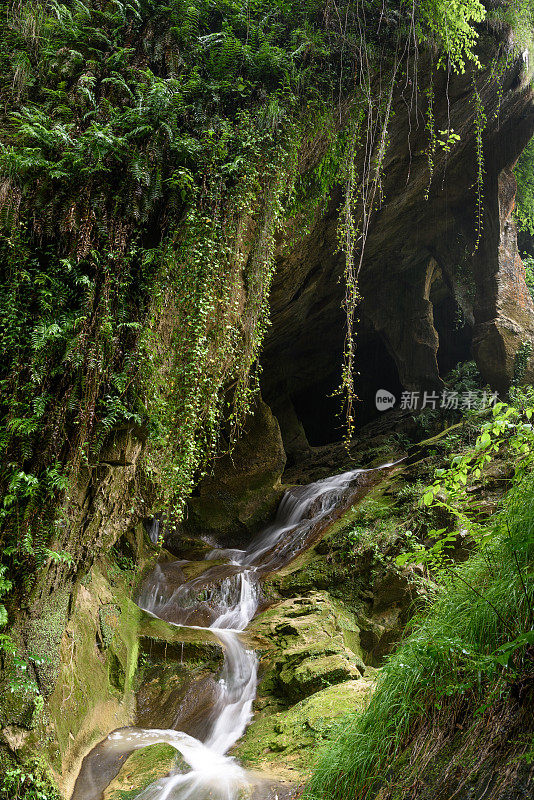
[43, 636]
[141, 769]
[286, 742]
[7, 760]
[109, 618]
[99, 654]
[315, 643]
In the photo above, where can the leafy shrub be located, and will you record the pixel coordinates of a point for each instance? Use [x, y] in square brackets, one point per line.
[27, 782]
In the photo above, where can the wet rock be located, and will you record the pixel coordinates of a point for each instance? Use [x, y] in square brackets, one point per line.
[285, 742]
[140, 770]
[244, 487]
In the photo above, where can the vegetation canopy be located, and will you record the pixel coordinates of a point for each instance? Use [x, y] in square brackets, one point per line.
[148, 155]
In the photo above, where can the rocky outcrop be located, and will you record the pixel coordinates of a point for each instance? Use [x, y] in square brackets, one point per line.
[244, 487]
[285, 743]
[317, 645]
[312, 671]
[77, 643]
[89, 676]
[504, 318]
[432, 295]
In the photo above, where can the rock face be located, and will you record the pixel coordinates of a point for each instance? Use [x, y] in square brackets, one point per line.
[441, 282]
[431, 295]
[503, 316]
[244, 486]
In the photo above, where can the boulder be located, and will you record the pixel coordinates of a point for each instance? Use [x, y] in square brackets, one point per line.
[286, 743]
[244, 486]
[316, 644]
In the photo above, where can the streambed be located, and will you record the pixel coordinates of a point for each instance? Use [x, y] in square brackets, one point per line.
[222, 600]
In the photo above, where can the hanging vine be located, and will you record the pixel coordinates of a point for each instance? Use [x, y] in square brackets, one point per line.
[148, 157]
[480, 124]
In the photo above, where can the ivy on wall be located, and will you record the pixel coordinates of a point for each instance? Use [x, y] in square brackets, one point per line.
[148, 155]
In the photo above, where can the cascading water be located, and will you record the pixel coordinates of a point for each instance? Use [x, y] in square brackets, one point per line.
[224, 599]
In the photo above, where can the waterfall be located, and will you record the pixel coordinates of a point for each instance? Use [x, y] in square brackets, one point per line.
[224, 599]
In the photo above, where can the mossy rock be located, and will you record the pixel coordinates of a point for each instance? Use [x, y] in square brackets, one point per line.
[316, 643]
[109, 619]
[43, 636]
[286, 743]
[314, 673]
[141, 769]
[243, 489]
[95, 692]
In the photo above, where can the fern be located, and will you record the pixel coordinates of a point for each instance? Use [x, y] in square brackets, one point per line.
[230, 56]
[191, 23]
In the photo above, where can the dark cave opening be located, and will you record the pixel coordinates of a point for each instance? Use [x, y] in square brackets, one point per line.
[454, 331]
[319, 407]
[376, 369]
[308, 405]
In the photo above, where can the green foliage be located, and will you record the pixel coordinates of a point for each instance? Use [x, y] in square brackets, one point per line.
[480, 121]
[509, 428]
[471, 647]
[461, 380]
[447, 139]
[518, 17]
[148, 156]
[521, 359]
[528, 262]
[5, 588]
[464, 377]
[450, 23]
[27, 782]
[524, 204]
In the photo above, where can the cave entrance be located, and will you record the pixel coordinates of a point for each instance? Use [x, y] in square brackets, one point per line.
[454, 330]
[376, 370]
[318, 407]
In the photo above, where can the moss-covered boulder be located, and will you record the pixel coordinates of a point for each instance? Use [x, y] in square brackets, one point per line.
[285, 743]
[315, 644]
[140, 770]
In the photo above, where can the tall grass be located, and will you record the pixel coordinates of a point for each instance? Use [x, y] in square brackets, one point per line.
[449, 657]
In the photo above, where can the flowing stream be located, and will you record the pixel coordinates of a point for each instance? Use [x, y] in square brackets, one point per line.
[224, 598]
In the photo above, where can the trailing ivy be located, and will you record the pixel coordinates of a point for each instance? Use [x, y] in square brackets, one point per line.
[149, 153]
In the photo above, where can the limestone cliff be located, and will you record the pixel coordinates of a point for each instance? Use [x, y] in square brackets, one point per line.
[431, 295]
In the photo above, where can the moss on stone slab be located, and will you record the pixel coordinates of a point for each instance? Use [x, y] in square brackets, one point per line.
[286, 743]
[43, 639]
[314, 673]
[314, 643]
[141, 769]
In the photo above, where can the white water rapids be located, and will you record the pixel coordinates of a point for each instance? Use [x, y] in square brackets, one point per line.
[227, 602]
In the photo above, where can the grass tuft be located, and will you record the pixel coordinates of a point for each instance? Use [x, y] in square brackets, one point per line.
[448, 662]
